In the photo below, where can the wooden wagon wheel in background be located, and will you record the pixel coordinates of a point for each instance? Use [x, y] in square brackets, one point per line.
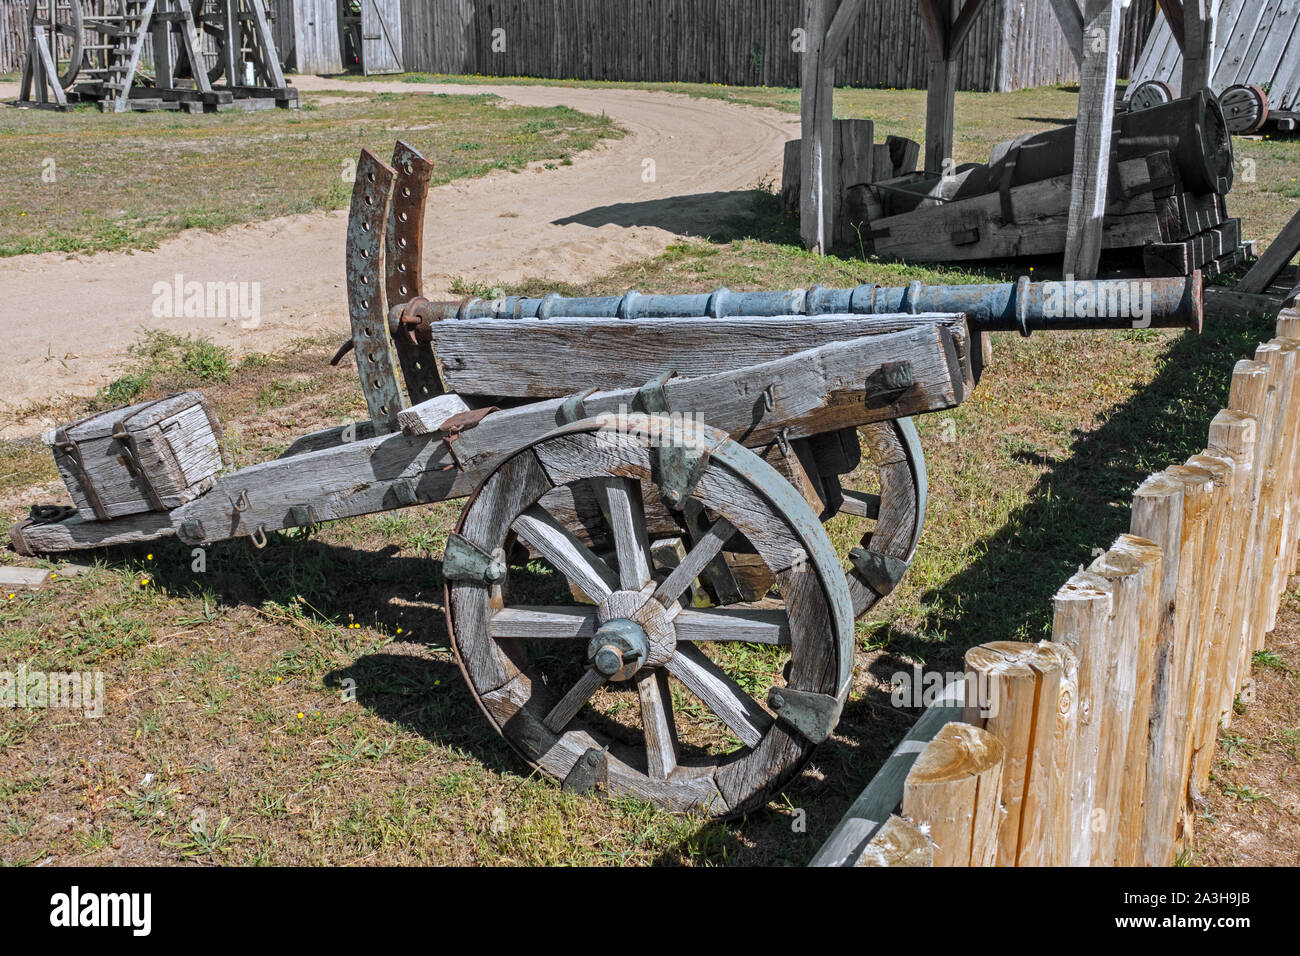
[686, 708]
[1149, 94]
[1245, 108]
[64, 31]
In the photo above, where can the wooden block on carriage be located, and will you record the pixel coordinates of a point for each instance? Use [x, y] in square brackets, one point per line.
[154, 456]
[1163, 259]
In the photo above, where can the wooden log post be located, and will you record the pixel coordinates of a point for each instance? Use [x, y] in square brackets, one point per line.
[898, 843]
[1200, 607]
[953, 793]
[1232, 434]
[826, 28]
[941, 84]
[1249, 394]
[1288, 327]
[1289, 446]
[1024, 683]
[1129, 580]
[1070, 17]
[1219, 560]
[1088, 190]
[1197, 45]
[1081, 613]
[1150, 558]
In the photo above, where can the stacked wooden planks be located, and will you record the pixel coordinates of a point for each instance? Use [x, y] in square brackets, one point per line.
[1165, 212]
[1107, 732]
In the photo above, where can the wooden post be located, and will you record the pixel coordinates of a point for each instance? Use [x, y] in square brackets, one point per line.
[1150, 559]
[1081, 612]
[898, 843]
[1249, 394]
[941, 83]
[1198, 45]
[954, 790]
[1283, 555]
[1216, 565]
[1024, 684]
[824, 40]
[1092, 138]
[1129, 580]
[1232, 434]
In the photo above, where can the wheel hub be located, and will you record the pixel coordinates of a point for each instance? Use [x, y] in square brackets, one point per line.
[618, 649]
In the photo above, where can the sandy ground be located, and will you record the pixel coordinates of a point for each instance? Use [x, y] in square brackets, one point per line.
[67, 321]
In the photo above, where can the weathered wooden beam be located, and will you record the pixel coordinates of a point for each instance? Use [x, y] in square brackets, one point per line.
[1173, 11]
[962, 25]
[1275, 258]
[550, 358]
[1070, 17]
[816, 171]
[941, 84]
[1092, 139]
[1198, 45]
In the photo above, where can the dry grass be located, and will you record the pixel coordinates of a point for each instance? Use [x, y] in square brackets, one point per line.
[127, 181]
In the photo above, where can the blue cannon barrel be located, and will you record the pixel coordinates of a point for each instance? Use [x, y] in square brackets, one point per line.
[1021, 306]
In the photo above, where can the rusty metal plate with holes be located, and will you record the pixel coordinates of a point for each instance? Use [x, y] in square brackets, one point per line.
[402, 265]
[367, 225]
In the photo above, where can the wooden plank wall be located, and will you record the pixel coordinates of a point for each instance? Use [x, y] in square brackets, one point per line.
[744, 42]
[713, 41]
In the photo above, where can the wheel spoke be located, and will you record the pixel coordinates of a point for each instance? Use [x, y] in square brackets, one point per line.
[657, 719]
[572, 702]
[722, 695]
[755, 625]
[626, 514]
[544, 622]
[696, 560]
[539, 528]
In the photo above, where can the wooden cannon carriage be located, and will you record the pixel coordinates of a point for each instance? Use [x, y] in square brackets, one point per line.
[672, 457]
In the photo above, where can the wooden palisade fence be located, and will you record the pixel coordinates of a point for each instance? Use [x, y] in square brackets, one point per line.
[1094, 748]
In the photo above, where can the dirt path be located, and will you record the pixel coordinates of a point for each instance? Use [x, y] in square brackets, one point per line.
[66, 323]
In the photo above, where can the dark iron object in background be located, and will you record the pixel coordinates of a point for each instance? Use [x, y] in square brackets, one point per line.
[1021, 306]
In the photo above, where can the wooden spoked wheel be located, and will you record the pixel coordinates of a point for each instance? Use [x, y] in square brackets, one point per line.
[1149, 94]
[65, 35]
[896, 505]
[1245, 108]
[635, 692]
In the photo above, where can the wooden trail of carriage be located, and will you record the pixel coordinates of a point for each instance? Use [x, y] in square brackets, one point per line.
[672, 457]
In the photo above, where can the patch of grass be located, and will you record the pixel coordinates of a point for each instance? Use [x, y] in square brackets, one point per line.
[76, 183]
[183, 360]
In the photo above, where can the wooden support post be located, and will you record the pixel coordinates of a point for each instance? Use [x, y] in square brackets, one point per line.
[824, 39]
[955, 790]
[1024, 684]
[941, 84]
[164, 67]
[1081, 613]
[1173, 11]
[1197, 45]
[1288, 398]
[1088, 188]
[1275, 258]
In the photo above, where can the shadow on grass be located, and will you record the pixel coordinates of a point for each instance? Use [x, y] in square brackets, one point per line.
[1079, 505]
